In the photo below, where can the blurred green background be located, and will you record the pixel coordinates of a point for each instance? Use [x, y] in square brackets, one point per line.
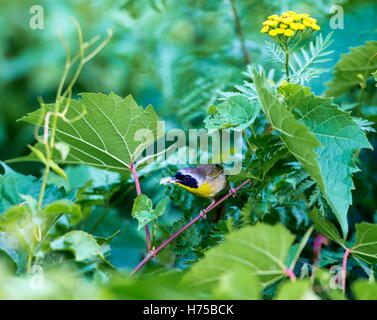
[175, 55]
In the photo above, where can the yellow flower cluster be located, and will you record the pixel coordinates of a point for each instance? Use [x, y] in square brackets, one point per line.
[288, 23]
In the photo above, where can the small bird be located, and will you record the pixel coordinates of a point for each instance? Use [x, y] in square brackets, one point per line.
[205, 180]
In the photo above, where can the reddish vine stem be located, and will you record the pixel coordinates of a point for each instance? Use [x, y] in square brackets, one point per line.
[138, 191]
[319, 241]
[289, 272]
[202, 214]
[344, 268]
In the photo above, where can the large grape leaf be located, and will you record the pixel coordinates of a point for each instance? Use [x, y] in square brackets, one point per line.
[262, 249]
[321, 136]
[324, 226]
[112, 133]
[365, 290]
[339, 136]
[361, 60]
[299, 290]
[365, 246]
[297, 137]
[238, 284]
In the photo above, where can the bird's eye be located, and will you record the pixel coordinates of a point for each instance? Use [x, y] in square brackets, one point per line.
[179, 176]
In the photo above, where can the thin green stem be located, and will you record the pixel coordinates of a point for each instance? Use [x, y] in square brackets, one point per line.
[360, 101]
[239, 31]
[138, 192]
[247, 140]
[29, 261]
[43, 187]
[287, 65]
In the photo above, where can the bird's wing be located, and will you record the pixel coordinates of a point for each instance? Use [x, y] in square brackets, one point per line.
[211, 170]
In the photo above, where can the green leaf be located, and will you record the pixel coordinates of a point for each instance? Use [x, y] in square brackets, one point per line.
[339, 136]
[58, 170]
[161, 207]
[161, 286]
[113, 132]
[104, 242]
[39, 154]
[325, 227]
[80, 243]
[61, 207]
[18, 221]
[143, 211]
[12, 247]
[300, 247]
[298, 290]
[14, 186]
[238, 284]
[237, 112]
[55, 210]
[361, 60]
[79, 176]
[365, 246]
[365, 290]
[297, 137]
[30, 226]
[262, 249]
[55, 179]
[269, 164]
[14, 217]
[323, 141]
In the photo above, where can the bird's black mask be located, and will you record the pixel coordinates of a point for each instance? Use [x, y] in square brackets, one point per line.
[186, 180]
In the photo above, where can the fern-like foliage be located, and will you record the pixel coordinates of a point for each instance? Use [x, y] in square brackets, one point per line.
[275, 52]
[247, 88]
[364, 124]
[302, 63]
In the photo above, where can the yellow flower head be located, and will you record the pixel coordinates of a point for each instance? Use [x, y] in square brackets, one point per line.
[270, 23]
[289, 32]
[295, 26]
[287, 20]
[300, 26]
[273, 33]
[306, 22]
[272, 16]
[288, 24]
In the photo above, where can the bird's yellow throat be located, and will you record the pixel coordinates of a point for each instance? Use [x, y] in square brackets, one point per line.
[204, 189]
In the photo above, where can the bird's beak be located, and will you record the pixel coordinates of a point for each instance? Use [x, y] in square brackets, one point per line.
[167, 180]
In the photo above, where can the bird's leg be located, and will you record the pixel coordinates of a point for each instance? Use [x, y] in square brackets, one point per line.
[204, 211]
[232, 191]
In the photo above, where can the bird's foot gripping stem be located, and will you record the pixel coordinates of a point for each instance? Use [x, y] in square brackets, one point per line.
[233, 192]
[203, 214]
